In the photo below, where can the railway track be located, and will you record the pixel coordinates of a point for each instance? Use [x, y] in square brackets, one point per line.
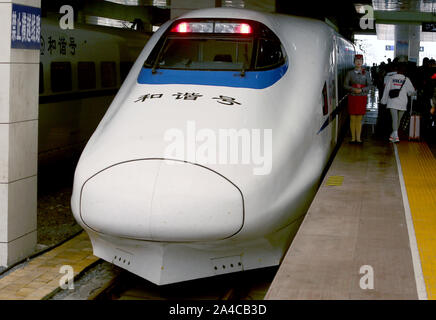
[249, 285]
[108, 282]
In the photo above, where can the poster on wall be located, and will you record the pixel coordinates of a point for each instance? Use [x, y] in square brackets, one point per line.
[401, 48]
[26, 27]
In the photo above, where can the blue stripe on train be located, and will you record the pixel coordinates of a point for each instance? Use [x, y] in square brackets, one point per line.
[329, 119]
[252, 79]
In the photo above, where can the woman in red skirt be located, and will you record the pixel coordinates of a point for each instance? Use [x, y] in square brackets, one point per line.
[357, 83]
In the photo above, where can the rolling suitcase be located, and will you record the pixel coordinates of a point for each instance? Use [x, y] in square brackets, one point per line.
[415, 124]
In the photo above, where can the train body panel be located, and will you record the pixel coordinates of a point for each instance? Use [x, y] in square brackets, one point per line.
[77, 84]
[256, 202]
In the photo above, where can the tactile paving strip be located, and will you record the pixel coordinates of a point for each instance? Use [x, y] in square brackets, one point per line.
[419, 171]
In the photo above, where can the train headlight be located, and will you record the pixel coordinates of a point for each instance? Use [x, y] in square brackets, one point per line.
[243, 28]
[194, 27]
[211, 27]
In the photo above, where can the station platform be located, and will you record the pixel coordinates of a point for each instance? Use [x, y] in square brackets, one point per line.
[370, 232]
[39, 278]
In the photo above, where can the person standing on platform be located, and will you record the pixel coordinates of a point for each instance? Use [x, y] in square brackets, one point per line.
[384, 116]
[391, 71]
[397, 105]
[358, 83]
[430, 119]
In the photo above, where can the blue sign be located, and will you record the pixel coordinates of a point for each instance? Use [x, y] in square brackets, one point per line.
[389, 48]
[421, 49]
[26, 27]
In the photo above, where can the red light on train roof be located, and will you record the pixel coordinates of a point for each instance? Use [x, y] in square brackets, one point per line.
[244, 28]
[182, 27]
[210, 27]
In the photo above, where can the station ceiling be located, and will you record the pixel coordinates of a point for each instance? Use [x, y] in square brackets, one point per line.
[344, 14]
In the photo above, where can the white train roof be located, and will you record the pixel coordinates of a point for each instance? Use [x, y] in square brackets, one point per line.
[273, 21]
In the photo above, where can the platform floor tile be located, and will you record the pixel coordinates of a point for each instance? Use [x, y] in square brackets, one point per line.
[352, 227]
[40, 277]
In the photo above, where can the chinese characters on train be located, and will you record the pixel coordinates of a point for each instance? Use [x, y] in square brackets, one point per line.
[25, 27]
[58, 45]
[229, 101]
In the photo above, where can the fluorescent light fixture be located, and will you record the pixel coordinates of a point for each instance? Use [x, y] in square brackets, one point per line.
[108, 22]
[360, 8]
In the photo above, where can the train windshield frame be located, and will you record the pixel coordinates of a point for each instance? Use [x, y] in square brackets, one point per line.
[217, 45]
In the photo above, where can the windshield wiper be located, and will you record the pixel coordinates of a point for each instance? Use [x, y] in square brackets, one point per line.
[243, 70]
[156, 62]
[155, 66]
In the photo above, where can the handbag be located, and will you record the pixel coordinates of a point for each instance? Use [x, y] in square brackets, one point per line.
[405, 121]
[394, 93]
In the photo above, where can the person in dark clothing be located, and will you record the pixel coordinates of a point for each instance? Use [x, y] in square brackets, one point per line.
[430, 120]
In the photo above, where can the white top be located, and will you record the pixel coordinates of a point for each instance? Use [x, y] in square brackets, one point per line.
[395, 82]
[387, 76]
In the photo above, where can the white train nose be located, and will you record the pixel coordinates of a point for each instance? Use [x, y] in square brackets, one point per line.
[162, 200]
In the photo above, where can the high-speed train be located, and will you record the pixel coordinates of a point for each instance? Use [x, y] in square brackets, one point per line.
[81, 70]
[211, 152]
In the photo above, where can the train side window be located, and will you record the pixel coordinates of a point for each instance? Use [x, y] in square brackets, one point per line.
[325, 105]
[86, 75]
[269, 54]
[61, 78]
[41, 78]
[108, 74]
[125, 67]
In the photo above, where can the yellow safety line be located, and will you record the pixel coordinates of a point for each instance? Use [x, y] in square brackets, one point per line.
[419, 171]
[335, 181]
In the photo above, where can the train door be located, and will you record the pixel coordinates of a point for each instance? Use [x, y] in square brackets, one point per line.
[329, 98]
[335, 92]
[332, 91]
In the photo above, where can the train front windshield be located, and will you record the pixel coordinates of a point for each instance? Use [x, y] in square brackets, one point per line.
[217, 45]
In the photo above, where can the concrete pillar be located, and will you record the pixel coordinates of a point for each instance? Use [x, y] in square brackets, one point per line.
[414, 42]
[401, 40]
[19, 71]
[407, 40]
[178, 7]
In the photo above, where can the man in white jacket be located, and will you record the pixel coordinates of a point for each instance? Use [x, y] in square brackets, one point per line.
[397, 105]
